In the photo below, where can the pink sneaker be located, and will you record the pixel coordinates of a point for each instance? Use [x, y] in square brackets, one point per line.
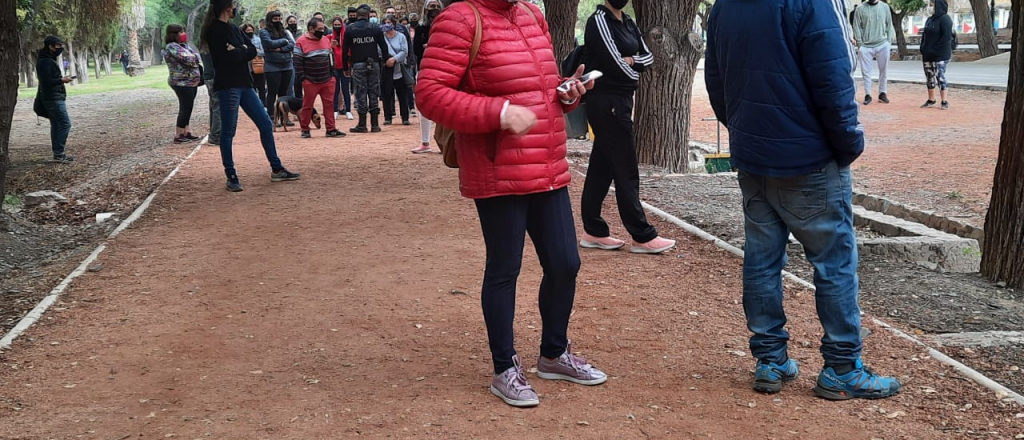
[512, 387]
[656, 246]
[570, 367]
[605, 243]
[421, 149]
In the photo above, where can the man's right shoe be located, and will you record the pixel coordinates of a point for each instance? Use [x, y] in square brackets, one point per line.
[859, 383]
[512, 387]
[283, 175]
[867, 99]
[305, 134]
[605, 243]
[656, 246]
[63, 159]
[361, 127]
[945, 105]
[928, 103]
[769, 377]
[233, 184]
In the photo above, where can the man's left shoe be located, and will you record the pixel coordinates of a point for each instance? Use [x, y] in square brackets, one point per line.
[335, 133]
[883, 98]
[64, 158]
[406, 122]
[305, 134]
[570, 367]
[858, 383]
[945, 105]
[867, 99]
[769, 376]
[190, 137]
[283, 175]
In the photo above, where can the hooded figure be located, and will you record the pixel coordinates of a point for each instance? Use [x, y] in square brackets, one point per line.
[937, 36]
[419, 45]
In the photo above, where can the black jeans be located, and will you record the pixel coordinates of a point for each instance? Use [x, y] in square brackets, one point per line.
[613, 160]
[278, 84]
[260, 83]
[186, 100]
[505, 221]
[389, 88]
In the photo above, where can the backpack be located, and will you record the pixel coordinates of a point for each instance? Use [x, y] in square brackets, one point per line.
[954, 43]
[445, 136]
[573, 60]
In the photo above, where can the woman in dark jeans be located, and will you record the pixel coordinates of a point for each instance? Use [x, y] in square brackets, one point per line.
[258, 79]
[184, 79]
[278, 44]
[342, 82]
[392, 80]
[231, 52]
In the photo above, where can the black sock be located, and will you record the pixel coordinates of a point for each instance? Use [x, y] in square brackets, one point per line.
[843, 368]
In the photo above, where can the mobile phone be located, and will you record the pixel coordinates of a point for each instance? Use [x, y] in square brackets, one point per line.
[73, 77]
[590, 76]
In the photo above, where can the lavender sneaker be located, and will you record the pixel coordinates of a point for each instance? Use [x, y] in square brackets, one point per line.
[512, 387]
[570, 367]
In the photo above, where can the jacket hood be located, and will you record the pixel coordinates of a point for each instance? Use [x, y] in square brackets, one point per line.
[941, 8]
[45, 53]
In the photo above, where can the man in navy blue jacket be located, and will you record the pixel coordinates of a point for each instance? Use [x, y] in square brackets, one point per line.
[779, 75]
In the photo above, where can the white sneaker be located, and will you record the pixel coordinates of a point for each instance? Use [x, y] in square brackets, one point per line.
[349, 116]
[336, 115]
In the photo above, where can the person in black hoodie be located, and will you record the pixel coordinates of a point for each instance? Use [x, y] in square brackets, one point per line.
[937, 41]
[231, 52]
[615, 47]
[52, 95]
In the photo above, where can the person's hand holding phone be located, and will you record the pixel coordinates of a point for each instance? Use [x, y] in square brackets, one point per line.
[67, 79]
[576, 87]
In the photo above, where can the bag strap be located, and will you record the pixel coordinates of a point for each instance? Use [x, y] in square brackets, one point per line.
[478, 38]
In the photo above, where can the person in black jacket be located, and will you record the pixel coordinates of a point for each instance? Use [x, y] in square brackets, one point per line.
[360, 55]
[52, 95]
[615, 47]
[431, 9]
[278, 69]
[231, 52]
[936, 51]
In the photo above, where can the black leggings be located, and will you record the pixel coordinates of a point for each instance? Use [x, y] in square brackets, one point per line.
[278, 84]
[186, 99]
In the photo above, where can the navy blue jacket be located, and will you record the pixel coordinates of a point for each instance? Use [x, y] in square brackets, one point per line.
[779, 75]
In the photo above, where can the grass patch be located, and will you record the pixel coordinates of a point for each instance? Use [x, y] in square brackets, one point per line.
[154, 78]
[12, 200]
[954, 195]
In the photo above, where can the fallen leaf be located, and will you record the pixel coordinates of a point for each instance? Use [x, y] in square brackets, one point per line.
[419, 325]
[895, 414]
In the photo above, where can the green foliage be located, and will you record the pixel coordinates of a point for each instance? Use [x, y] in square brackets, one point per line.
[907, 6]
[12, 200]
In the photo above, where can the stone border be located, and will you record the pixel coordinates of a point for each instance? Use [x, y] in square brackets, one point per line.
[919, 244]
[927, 218]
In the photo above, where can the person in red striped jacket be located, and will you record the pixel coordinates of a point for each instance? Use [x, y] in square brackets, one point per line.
[313, 67]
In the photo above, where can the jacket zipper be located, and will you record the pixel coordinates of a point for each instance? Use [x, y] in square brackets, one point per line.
[512, 17]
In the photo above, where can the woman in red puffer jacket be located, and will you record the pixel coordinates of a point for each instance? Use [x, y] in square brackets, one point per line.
[511, 147]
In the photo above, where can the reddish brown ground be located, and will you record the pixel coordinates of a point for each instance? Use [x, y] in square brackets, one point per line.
[323, 308]
[935, 160]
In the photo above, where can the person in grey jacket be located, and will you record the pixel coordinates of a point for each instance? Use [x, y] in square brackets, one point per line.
[278, 69]
[208, 75]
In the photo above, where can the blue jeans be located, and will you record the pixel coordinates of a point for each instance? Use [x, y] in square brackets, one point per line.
[818, 210]
[60, 125]
[341, 87]
[248, 100]
[505, 221]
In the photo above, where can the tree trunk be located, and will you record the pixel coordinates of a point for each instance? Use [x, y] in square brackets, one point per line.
[984, 29]
[106, 63]
[156, 46]
[10, 52]
[901, 38]
[96, 61]
[69, 54]
[83, 66]
[1003, 257]
[30, 72]
[663, 103]
[561, 16]
[134, 59]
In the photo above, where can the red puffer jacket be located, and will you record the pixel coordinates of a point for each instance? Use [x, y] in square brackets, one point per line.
[516, 63]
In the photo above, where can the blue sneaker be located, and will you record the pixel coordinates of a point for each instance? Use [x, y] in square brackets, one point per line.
[768, 377]
[861, 383]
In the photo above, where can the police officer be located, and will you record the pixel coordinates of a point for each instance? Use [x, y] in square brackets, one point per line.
[363, 51]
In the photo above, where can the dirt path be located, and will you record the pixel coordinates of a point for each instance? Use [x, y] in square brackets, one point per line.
[323, 308]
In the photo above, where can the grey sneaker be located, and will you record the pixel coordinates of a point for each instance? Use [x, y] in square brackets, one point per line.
[512, 387]
[570, 367]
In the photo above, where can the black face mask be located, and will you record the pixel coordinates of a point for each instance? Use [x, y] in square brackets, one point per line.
[414, 23]
[433, 13]
[58, 51]
[352, 19]
[250, 34]
[618, 4]
[277, 25]
[293, 27]
[337, 29]
[318, 34]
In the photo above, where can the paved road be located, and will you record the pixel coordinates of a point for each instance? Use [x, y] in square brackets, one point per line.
[966, 75]
[958, 74]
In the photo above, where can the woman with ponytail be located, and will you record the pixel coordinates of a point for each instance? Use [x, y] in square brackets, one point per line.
[231, 52]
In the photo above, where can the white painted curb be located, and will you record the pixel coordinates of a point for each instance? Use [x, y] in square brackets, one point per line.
[971, 373]
[37, 312]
